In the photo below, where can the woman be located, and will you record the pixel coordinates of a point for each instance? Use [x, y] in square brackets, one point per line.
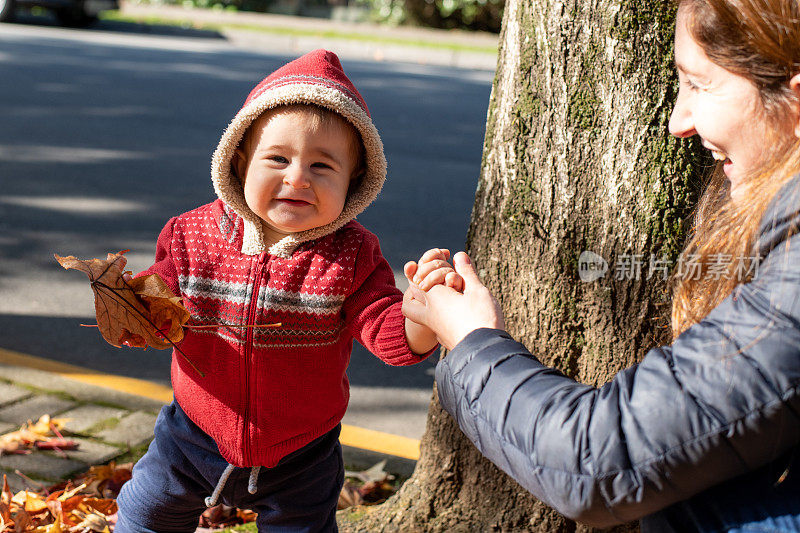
[701, 435]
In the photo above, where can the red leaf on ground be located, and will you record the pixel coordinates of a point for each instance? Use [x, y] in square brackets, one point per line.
[60, 444]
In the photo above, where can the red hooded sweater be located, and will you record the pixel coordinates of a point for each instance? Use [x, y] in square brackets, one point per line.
[268, 392]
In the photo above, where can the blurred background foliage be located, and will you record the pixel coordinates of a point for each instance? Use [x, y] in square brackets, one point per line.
[481, 15]
[477, 15]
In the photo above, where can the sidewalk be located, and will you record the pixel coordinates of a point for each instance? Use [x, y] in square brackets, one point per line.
[297, 35]
[109, 423]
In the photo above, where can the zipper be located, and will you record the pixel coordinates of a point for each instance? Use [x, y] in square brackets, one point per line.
[248, 351]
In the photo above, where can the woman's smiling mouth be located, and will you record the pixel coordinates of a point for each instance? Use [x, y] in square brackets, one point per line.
[723, 157]
[719, 156]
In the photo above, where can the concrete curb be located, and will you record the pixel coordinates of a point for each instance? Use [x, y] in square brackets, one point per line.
[109, 422]
[49, 381]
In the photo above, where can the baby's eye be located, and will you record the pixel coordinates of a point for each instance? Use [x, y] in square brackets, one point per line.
[278, 159]
[320, 165]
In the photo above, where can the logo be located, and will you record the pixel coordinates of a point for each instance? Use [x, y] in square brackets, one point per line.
[591, 267]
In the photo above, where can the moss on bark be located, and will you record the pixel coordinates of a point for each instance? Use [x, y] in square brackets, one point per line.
[576, 158]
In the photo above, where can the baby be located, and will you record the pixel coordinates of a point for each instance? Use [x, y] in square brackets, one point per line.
[298, 162]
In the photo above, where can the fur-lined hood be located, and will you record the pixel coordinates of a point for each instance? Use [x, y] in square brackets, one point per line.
[315, 78]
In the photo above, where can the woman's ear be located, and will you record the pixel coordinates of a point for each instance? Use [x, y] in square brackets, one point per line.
[794, 85]
[239, 164]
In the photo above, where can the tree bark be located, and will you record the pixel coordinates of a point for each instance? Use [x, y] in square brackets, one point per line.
[577, 158]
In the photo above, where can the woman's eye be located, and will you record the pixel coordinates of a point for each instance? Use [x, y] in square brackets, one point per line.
[688, 83]
[692, 85]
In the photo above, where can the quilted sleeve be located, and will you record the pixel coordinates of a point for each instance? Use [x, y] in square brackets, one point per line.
[722, 400]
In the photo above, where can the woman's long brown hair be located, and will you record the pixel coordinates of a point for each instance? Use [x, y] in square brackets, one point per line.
[760, 41]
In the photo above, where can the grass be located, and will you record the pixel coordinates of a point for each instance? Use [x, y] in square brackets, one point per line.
[297, 32]
[57, 393]
[133, 454]
[251, 528]
[102, 425]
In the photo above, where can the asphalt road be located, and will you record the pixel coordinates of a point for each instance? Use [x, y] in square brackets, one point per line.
[104, 135]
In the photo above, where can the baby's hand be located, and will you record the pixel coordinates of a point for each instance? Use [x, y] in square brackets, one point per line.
[434, 268]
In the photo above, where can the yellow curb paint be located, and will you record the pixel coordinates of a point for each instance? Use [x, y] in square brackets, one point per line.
[377, 441]
[133, 386]
[366, 439]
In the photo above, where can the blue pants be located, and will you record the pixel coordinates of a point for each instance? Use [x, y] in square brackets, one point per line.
[182, 467]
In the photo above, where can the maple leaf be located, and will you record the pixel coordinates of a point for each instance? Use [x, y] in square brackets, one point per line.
[120, 313]
[165, 309]
[137, 313]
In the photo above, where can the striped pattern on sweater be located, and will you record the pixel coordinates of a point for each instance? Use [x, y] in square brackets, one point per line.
[269, 391]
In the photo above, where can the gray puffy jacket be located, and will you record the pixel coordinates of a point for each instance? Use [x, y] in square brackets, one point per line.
[718, 403]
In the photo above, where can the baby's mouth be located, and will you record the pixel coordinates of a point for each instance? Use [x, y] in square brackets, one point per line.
[294, 202]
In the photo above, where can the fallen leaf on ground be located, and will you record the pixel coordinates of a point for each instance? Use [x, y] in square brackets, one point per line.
[87, 503]
[376, 472]
[62, 508]
[349, 496]
[43, 434]
[367, 487]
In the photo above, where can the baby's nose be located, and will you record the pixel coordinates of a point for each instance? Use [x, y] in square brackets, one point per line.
[297, 178]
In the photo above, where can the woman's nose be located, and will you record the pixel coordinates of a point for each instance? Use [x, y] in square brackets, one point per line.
[681, 121]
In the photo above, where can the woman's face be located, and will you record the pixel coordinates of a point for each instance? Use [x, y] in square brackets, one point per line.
[723, 108]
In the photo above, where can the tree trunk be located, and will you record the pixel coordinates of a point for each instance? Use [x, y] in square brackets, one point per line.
[577, 158]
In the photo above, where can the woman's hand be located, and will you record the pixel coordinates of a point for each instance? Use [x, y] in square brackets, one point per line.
[453, 315]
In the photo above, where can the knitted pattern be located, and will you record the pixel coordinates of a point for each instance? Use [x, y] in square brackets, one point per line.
[315, 78]
[270, 391]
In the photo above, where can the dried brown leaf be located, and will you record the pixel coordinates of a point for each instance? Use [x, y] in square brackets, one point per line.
[54, 527]
[22, 520]
[94, 522]
[121, 315]
[39, 434]
[166, 310]
[349, 496]
[103, 506]
[6, 494]
[136, 313]
[376, 491]
[54, 506]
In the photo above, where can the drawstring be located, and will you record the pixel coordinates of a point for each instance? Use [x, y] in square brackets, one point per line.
[211, 501]
[251, 484]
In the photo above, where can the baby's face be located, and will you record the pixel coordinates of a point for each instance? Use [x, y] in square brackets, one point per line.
[297, 170]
